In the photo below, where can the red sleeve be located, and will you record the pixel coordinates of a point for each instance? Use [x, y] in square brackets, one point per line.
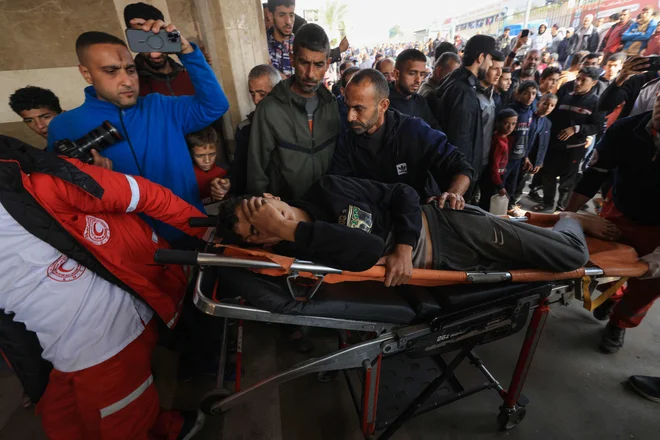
[124, 193]
[496, 153]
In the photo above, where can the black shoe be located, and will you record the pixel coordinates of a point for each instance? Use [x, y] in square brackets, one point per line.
[646, 386]
[603, 311]
[193, 422]
[612, 339]
[535, 196]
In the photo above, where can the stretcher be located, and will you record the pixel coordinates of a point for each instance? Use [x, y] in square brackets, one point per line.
[398, 348]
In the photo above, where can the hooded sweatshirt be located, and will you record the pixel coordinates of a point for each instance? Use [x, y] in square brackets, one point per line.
[288, 151]
[175, 83]
[543, 40]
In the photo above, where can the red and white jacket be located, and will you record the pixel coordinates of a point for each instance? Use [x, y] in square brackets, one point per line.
[94, 219]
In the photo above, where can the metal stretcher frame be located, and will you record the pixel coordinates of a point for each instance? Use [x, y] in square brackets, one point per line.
[389, 339]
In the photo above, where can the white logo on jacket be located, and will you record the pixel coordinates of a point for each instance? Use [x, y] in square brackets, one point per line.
[402, 169]
[96, 230]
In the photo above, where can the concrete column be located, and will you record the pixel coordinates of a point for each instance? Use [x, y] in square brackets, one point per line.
[235, 37]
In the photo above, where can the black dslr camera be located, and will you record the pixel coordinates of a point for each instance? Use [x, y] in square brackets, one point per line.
[98, 139]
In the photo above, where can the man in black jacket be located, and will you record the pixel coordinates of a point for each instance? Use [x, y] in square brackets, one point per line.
[576, 117]
[409, 72]
[354, 224]
[630, 149]
[458, 110]
[388, 146]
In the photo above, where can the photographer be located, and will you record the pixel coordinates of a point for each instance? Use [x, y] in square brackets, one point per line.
[153, 127]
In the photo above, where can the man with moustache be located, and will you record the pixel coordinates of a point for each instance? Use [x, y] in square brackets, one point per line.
[458, 110]
[153, 127]
[529, 71]
[295, 128]
[390, 147]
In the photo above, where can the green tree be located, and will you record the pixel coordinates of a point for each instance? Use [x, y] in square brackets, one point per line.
[333, 15]
[395, 31]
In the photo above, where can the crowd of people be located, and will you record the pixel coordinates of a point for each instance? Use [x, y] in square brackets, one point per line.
[488, 118]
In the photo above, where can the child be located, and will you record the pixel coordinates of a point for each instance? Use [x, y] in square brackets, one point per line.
[210, 177]
[539, 138]
[525, 96]
[493, 181]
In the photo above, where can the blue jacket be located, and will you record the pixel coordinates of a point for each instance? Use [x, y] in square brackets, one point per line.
[632, 35]
[412, 153]
[539, 139]
[155, 127]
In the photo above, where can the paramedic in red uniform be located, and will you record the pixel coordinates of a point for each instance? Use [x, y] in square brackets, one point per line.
[630, 148]
[77, 271]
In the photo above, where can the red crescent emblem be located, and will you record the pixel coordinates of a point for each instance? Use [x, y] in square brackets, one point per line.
[96, 230]
[58, 272]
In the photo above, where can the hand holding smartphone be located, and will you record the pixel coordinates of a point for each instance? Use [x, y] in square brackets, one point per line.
[148, 41]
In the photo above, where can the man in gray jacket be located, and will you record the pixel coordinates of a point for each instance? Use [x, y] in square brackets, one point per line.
[296, 127]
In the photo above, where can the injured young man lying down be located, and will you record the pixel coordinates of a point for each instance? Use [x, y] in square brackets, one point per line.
[354, 224]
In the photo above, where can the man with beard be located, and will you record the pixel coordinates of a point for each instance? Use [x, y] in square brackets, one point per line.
[390, 147]
[153, 127]
[458, 110]
[280, 36]
[529, 70]
[585, 37]
[296, 127]
[158, 72]
[409, 71]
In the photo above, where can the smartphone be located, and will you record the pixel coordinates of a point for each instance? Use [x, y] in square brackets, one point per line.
[654, 63]
[524, 33]
[163, 41]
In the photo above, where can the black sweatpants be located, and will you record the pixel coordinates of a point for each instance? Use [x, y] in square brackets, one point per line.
[473, 239]
[564, 164]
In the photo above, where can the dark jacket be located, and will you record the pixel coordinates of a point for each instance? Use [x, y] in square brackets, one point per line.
[590, 42]
[563, 50]
[352, 219]
[413, 105]
[627, 94]
[515, 82]
[175, 83]
[284, 156]
[520, 136]
[412, 150]
[598, 89]
[628, 149]
[539, 139]
[238, 169]
[459, 114]
[572, 110]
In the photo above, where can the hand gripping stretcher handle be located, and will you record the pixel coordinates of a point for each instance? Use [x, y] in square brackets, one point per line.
[203, 222]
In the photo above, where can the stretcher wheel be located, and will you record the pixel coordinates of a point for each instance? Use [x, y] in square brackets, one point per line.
[327, 376]
[509, 418]
[213, 397]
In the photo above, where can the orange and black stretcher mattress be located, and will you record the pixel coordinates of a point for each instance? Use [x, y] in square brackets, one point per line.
[614, 259]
